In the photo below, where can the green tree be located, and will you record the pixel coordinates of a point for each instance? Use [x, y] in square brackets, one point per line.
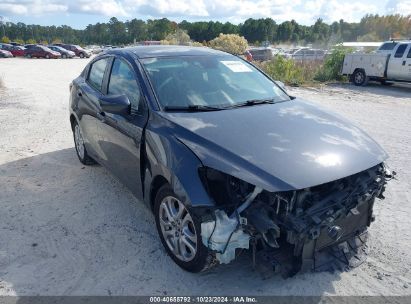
[137, 30]
[259, 29]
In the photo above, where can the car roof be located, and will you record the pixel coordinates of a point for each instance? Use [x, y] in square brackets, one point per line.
[151, 51]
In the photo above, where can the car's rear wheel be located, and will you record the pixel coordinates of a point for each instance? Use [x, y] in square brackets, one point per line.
[47, 56]
[80, 147]
[81, 55]
[28, 56]
[359, 78]
[180, 232]
[64, 56]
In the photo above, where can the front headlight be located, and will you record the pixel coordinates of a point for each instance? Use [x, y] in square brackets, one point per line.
[224, 189]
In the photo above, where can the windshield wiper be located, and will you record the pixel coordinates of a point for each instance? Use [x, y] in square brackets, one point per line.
[192, 108]
[252, 102]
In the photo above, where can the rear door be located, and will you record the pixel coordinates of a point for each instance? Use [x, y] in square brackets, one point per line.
[122, 134]
[89, 92]
[398, 65]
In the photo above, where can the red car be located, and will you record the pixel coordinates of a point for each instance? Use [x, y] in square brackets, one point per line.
[41, 51]
[17, 51]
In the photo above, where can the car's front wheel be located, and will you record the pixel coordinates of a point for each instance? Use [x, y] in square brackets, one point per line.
[180, 232]
[64, 56]
[81, 55]
[80, 147]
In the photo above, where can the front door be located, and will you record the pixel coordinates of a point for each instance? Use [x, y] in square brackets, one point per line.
[89, 93]
[122, 134]
[400, 63]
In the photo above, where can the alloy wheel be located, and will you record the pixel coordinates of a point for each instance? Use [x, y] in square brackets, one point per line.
[178, 229]
[78, 139]
[359, 77]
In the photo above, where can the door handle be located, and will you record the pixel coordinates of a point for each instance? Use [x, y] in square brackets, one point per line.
[101, 116]
[404, 62]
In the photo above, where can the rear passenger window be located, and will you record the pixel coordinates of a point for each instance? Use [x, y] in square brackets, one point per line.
[400, 51]
[123, 81]
[96, 75]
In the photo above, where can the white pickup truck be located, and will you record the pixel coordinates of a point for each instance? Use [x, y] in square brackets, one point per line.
[391, 62]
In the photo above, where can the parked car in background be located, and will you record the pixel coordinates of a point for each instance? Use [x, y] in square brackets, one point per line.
[94, 49]
[63, 52]
[262, 53]
[306, 54]
[78, 50]
[40, 51]
[384, 66]
[17, 51]
[5, 54]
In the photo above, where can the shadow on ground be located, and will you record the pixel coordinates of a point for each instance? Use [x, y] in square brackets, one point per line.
[66, 229]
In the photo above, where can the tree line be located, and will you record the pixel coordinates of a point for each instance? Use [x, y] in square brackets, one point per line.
[116, 32]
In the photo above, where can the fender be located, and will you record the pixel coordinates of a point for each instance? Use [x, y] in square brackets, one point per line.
[166, 157]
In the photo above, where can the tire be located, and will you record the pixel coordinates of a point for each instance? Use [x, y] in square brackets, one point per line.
[47, 56]
[359, 78]
[81, 55]
[81, 151]
[28, 56]
[64, 56]
[186, 226]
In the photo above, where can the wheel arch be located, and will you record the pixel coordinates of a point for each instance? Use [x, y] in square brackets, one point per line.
[158, 182]
[73, 119]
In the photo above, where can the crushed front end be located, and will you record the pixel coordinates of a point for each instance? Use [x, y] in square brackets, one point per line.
[321, 228]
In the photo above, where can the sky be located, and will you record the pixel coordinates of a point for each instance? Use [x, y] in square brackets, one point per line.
[79, 13]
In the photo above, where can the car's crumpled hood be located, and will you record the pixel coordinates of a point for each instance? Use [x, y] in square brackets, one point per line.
[279, 147]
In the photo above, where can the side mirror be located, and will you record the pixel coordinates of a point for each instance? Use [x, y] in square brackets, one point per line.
[116, 104]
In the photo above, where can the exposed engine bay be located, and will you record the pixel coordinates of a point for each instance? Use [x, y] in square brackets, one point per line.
[322, 228]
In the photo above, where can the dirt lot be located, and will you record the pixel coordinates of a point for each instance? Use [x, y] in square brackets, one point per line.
[74, 230]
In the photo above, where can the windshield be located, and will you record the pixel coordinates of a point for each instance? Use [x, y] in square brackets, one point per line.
[217, 81]
[44, 48]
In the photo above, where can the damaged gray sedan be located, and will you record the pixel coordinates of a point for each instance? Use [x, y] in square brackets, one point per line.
[227, 160]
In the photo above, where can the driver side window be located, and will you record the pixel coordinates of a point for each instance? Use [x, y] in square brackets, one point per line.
[123, 81]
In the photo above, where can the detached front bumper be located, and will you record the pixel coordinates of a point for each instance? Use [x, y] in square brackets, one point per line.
[322, 228]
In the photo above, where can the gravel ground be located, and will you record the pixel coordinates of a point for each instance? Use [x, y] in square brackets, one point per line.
[66, 229]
